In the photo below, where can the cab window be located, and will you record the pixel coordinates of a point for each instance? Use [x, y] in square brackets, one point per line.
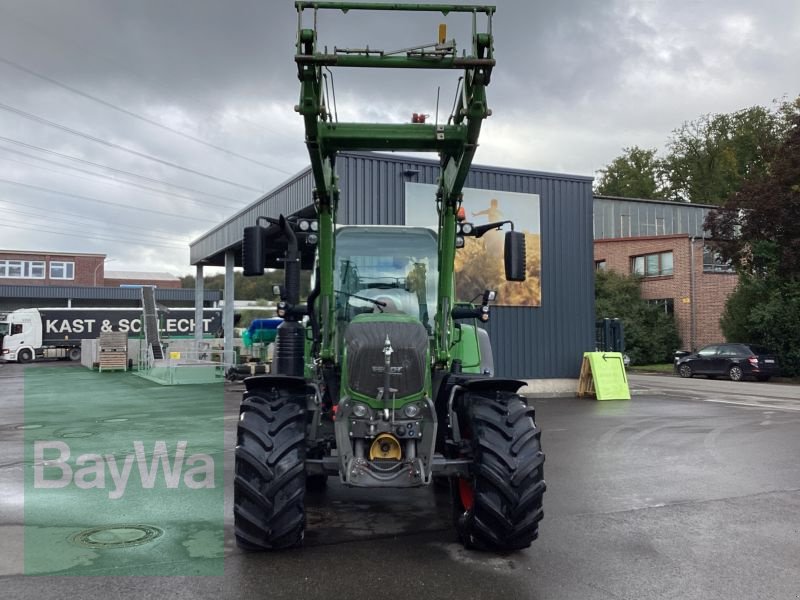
[16, 328]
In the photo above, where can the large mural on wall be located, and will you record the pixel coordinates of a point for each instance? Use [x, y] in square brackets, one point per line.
[479, 264]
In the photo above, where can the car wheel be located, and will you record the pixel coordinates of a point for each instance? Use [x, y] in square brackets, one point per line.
[735, 373]
[685, 371]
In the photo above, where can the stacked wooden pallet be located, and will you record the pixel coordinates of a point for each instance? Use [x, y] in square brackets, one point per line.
[585, 380]
[113, 351]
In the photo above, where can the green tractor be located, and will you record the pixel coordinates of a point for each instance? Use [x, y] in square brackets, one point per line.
[381, 377]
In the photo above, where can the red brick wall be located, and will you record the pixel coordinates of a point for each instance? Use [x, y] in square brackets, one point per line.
[84, 274]
[711, 289]
[162, 283]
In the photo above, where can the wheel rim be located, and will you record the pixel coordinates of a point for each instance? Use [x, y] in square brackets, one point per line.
[736, 373]
[686, 371]
[466, 494]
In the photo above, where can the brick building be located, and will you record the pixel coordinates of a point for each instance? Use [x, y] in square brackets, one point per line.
[54, 279]
[19, 267]
[678, 275]
[664, 243]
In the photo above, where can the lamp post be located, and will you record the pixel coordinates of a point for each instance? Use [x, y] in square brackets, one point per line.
[105, 260]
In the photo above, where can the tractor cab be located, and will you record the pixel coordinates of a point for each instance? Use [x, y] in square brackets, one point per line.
[385, 269]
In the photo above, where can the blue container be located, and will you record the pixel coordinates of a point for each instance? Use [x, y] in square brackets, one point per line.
[262, 331]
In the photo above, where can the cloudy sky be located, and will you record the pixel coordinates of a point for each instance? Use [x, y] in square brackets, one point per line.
[131, 127]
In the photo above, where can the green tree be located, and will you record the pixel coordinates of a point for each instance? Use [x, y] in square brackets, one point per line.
[759, 227]
[650, 335]
[766, 311]
[710, 158]
[250, 288]
[758, 230]
[637, 173]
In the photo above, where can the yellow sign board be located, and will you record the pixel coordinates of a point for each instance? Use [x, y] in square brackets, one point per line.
[174, 355]
[607, 373]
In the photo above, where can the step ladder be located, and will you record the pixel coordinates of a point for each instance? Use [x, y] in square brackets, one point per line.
[150, 322]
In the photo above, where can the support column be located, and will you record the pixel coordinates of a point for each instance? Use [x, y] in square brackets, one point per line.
[198, 306]
[227, 310]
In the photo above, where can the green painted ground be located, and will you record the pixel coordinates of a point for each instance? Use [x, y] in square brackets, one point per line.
[120, 421]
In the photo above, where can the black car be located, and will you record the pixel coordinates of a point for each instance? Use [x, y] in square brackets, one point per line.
[735, 361]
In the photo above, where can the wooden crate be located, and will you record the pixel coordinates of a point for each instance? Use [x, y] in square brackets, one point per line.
[585, 380]
[113, 351]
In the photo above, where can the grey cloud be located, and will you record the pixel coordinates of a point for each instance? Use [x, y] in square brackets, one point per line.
[576, 81]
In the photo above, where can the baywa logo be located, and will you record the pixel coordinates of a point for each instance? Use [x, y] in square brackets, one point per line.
[106, 471]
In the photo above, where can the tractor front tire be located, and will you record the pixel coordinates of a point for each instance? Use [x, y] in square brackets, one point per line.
[270, 481]
[499, 508]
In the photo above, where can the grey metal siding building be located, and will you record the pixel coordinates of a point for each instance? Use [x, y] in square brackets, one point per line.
[632, 217]
[531, 343]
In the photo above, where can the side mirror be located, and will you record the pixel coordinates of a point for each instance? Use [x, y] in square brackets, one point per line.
[253, 251]
[514, 256]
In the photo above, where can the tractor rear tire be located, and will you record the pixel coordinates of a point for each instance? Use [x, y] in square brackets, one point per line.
[499, 508]
[270, 481]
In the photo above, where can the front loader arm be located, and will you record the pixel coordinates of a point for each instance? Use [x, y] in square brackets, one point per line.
[455, 141]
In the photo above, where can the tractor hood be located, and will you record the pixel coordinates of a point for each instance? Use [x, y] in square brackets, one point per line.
[368, 340]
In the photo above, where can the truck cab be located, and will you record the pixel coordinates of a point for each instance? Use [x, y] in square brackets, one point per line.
[20, 335]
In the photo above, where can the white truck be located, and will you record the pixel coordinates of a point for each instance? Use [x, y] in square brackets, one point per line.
[29, 334]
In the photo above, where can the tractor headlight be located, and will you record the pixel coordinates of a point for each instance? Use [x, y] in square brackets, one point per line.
[304, 225]
[466, 228]
[359, 410]
[411, 410]
[314, 226]
[459, 241]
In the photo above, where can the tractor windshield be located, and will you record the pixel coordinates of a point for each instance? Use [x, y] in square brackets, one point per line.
[383, 269]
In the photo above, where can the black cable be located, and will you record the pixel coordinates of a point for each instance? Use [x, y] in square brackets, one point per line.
[83, 221]
[121, 181]
[115, 204]
[137, 116]
[112, 169]
[83, 236]
[49, 36]
[92, 138]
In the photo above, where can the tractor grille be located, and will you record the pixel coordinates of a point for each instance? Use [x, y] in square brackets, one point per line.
[365, 359]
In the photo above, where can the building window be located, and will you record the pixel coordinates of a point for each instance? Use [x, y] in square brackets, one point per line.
[599, 265]
[21, 269]
[713, 262]
[666, 304]
[62, 270]
[652, 265]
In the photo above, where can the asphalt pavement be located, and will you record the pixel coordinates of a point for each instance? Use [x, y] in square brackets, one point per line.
[690, 490]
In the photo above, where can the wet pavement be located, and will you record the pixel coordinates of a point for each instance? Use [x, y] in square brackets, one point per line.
[675, 494]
